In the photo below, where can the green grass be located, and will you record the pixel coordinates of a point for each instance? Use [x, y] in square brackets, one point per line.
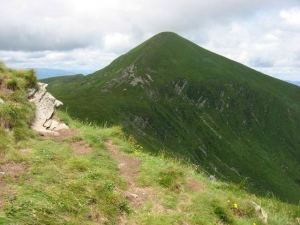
[174, 202]
[49, 183]
[56, 186]
[16, 113]
[226, 118]
[63, 188]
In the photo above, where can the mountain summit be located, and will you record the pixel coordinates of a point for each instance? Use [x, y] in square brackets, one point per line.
[172, 95]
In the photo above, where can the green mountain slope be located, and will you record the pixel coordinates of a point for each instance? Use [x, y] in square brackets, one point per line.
[175, 96]
[90, 175]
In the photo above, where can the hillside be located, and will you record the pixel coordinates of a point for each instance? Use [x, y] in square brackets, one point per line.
[177, 97]
[43, 73]
[94, 175]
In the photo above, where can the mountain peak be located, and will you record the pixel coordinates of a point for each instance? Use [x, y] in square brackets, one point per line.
[172, 94]
[166, 34]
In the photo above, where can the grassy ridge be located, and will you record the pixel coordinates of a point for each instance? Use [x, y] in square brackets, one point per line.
[46, 180]
[16, 113]
[173, 95]
[60, 187]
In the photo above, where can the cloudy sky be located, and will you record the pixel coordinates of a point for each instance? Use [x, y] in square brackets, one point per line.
[89, 34]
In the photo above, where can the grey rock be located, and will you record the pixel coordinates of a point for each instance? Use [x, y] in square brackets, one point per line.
[1, 101]
[261, 213]
[61, 126]
[45, 106]
[58, 103]
[47, 124]
[31, 92]
[134, 195]
[212, 178]
[54, 124]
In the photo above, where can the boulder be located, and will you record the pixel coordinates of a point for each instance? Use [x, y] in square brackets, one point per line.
[45, 106]
[54, 124]
[261, 213]
[212, 178]
[61, 126]
[47, 124]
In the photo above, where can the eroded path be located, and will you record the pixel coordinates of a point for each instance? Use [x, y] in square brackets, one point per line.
[128, 168]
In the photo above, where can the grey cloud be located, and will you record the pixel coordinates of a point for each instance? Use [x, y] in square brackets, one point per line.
[67, 25]
[39, 39]
[91, 33]
[261, 62]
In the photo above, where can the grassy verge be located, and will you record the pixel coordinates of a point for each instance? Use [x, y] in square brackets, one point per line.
[56, 186]
[180, 194]
[45, 180]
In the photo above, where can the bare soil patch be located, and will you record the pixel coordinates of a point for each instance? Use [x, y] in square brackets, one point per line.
[194, 185]
[81, 147]
[4, 90]
[25, 150]
[63, 134]
[3, 191]
[9, 170]
[128, 168]
[127, 165]
[12, 169]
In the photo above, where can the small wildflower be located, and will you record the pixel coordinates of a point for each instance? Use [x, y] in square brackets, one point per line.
[228, 201]
[254, 224]
[235, 205]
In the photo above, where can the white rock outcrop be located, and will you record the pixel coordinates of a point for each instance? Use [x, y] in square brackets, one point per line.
[45, 106]
[261, 213]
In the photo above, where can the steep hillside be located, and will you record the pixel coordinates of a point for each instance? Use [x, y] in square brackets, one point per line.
[16, 112]
[175, 96]
[94, 175]
[52, 179]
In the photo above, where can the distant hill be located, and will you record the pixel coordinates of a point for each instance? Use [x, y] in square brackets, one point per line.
[43, 73]
[294, 82]
[178, 98]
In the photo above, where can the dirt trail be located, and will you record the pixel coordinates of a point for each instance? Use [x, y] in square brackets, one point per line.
[137, 195]
[79, 147]
[63, 134]
[128, 168]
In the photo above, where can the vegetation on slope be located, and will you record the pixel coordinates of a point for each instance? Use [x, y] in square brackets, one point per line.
[74, 179]
[171, 94]
[16, 113]
[56, 185]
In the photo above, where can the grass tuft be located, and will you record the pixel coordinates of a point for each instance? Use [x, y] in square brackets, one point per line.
[172, 178]
[12, 84]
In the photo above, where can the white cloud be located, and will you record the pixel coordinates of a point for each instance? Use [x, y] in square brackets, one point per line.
[117, 42]
[291, 16]
[86, 34]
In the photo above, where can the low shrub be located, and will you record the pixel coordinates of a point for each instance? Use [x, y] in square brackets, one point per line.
[31, 80]
[222, 212]
[12, 84]
[5, 140]
[22, 133]
[172, 178]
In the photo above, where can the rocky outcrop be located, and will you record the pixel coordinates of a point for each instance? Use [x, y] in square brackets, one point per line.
[261, 213]
[45, 106]
[2, 123]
